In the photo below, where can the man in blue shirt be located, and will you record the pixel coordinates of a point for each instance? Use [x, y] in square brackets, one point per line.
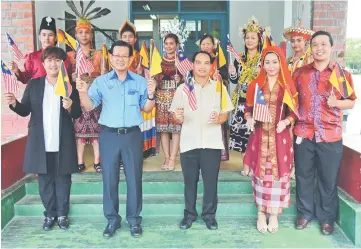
[122, 95]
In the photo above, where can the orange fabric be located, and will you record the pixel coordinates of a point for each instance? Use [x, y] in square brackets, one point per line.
[83, 25]
[285, 78]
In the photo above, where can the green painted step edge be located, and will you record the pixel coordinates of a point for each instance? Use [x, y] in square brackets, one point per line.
[349, 217]
[88, 188]
[153, 205]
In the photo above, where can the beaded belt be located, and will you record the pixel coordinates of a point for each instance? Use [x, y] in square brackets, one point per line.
[167, 85]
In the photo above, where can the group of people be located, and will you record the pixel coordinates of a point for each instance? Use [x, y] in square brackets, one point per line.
[109, 107]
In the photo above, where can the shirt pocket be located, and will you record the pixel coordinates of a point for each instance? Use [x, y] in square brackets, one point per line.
[133, 97]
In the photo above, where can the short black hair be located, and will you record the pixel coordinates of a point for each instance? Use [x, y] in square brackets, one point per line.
[201, 52]
[322, 32]
[205, 36]
[56, 52]
[121, 44]
[171, 36]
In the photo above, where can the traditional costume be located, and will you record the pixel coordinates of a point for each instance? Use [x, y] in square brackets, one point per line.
[246, 72]
[148, 127]
[270, 154]
[86, 127]
[306, 58]
[33, 65]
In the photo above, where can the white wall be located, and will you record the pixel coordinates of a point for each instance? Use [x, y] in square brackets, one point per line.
[119, 13]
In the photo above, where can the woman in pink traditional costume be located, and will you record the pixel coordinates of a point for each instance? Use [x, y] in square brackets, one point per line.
[269, 153]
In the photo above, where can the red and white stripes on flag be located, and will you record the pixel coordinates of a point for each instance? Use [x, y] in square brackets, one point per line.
[83, 64]
[11, 83]
[15, 49]
[261, 110]
[232, 51]
[183, 64]
[190, 91]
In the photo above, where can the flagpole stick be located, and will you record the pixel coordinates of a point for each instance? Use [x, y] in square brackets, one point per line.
[254, 103]
[281, 110]
[175, 63]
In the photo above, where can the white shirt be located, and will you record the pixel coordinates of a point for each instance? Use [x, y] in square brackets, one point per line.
[197, 132]
[51, 118]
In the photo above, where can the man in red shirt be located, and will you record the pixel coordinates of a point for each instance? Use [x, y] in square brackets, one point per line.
[318, 145]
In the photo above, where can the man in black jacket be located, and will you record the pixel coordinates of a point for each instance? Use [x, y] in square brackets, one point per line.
[50, 147]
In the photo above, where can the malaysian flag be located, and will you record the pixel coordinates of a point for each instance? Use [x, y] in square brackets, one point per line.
[83, 65]
[261, 111]
[190, 91]
[231, 50]
[16, 51]
[11, 83]
[182, 63]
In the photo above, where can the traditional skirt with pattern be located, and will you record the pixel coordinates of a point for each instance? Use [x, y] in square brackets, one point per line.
[271, 196]
[164, 119]
[149, 132]
[238, 133]
[86, 127]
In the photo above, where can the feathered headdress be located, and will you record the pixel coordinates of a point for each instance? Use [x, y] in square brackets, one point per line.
[178, 28]
[84, 16]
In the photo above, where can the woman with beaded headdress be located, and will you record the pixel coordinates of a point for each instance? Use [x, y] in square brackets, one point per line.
[299, 38]
[86, 127]
[269, 153]
[167, 83]
[209, 44]
[242, 74]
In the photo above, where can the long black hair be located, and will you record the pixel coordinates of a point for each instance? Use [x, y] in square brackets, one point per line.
[259, 47]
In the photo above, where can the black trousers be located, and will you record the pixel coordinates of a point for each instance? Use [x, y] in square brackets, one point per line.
[320, 161]
[208, 161]
[130, 147]
[54, 189]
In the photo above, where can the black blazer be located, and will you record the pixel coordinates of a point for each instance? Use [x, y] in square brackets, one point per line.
[35, 154]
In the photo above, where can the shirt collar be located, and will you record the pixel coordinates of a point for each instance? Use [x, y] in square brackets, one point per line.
[330, 65]
[208, 82]
[113, 75]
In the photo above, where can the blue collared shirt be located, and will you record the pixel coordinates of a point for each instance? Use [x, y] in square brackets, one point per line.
[121, 100]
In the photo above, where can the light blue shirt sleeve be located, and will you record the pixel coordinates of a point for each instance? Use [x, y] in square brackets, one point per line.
[143, 93]
[94, 92]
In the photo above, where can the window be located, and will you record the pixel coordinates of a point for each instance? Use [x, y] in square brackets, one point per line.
[154, 6]
[203, 6]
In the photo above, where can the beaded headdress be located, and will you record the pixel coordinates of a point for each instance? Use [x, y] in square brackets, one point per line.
[298, 31]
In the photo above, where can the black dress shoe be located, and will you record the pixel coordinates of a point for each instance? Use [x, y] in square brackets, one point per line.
[136, 230]
[109, 231]
[185, 223]
[48, 223]
[212, 224]
[327, 229]
[63, 222]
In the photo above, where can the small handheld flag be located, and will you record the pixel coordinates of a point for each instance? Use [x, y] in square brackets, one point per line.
[63, 87]
[145, 56]
[15, 49]
[339, 81]
[182, 63]
[64, 37]
[232, 51]
[11, 83]
[189, 91]
[156, 60]
[260, 110]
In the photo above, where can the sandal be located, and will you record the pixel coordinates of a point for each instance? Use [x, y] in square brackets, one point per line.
[248, 172]
[164, 166]
[272, 224]
[98, 167]
[261, 223]
[171, 167]
[81, 167]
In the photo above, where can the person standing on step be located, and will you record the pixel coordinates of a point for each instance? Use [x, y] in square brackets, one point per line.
[167, 83]
[269, 152]
[299, 38]
[207, 43]
[86, 127]
[122, 94]
[50, 146]
[242, 74]
[128, 33]
[201, 112]
[33, 65]
[318, 145]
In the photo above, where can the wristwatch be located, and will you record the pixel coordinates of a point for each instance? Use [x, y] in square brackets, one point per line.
[151, 98]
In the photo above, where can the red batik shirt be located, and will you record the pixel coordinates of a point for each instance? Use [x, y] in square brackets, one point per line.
[316, 118]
